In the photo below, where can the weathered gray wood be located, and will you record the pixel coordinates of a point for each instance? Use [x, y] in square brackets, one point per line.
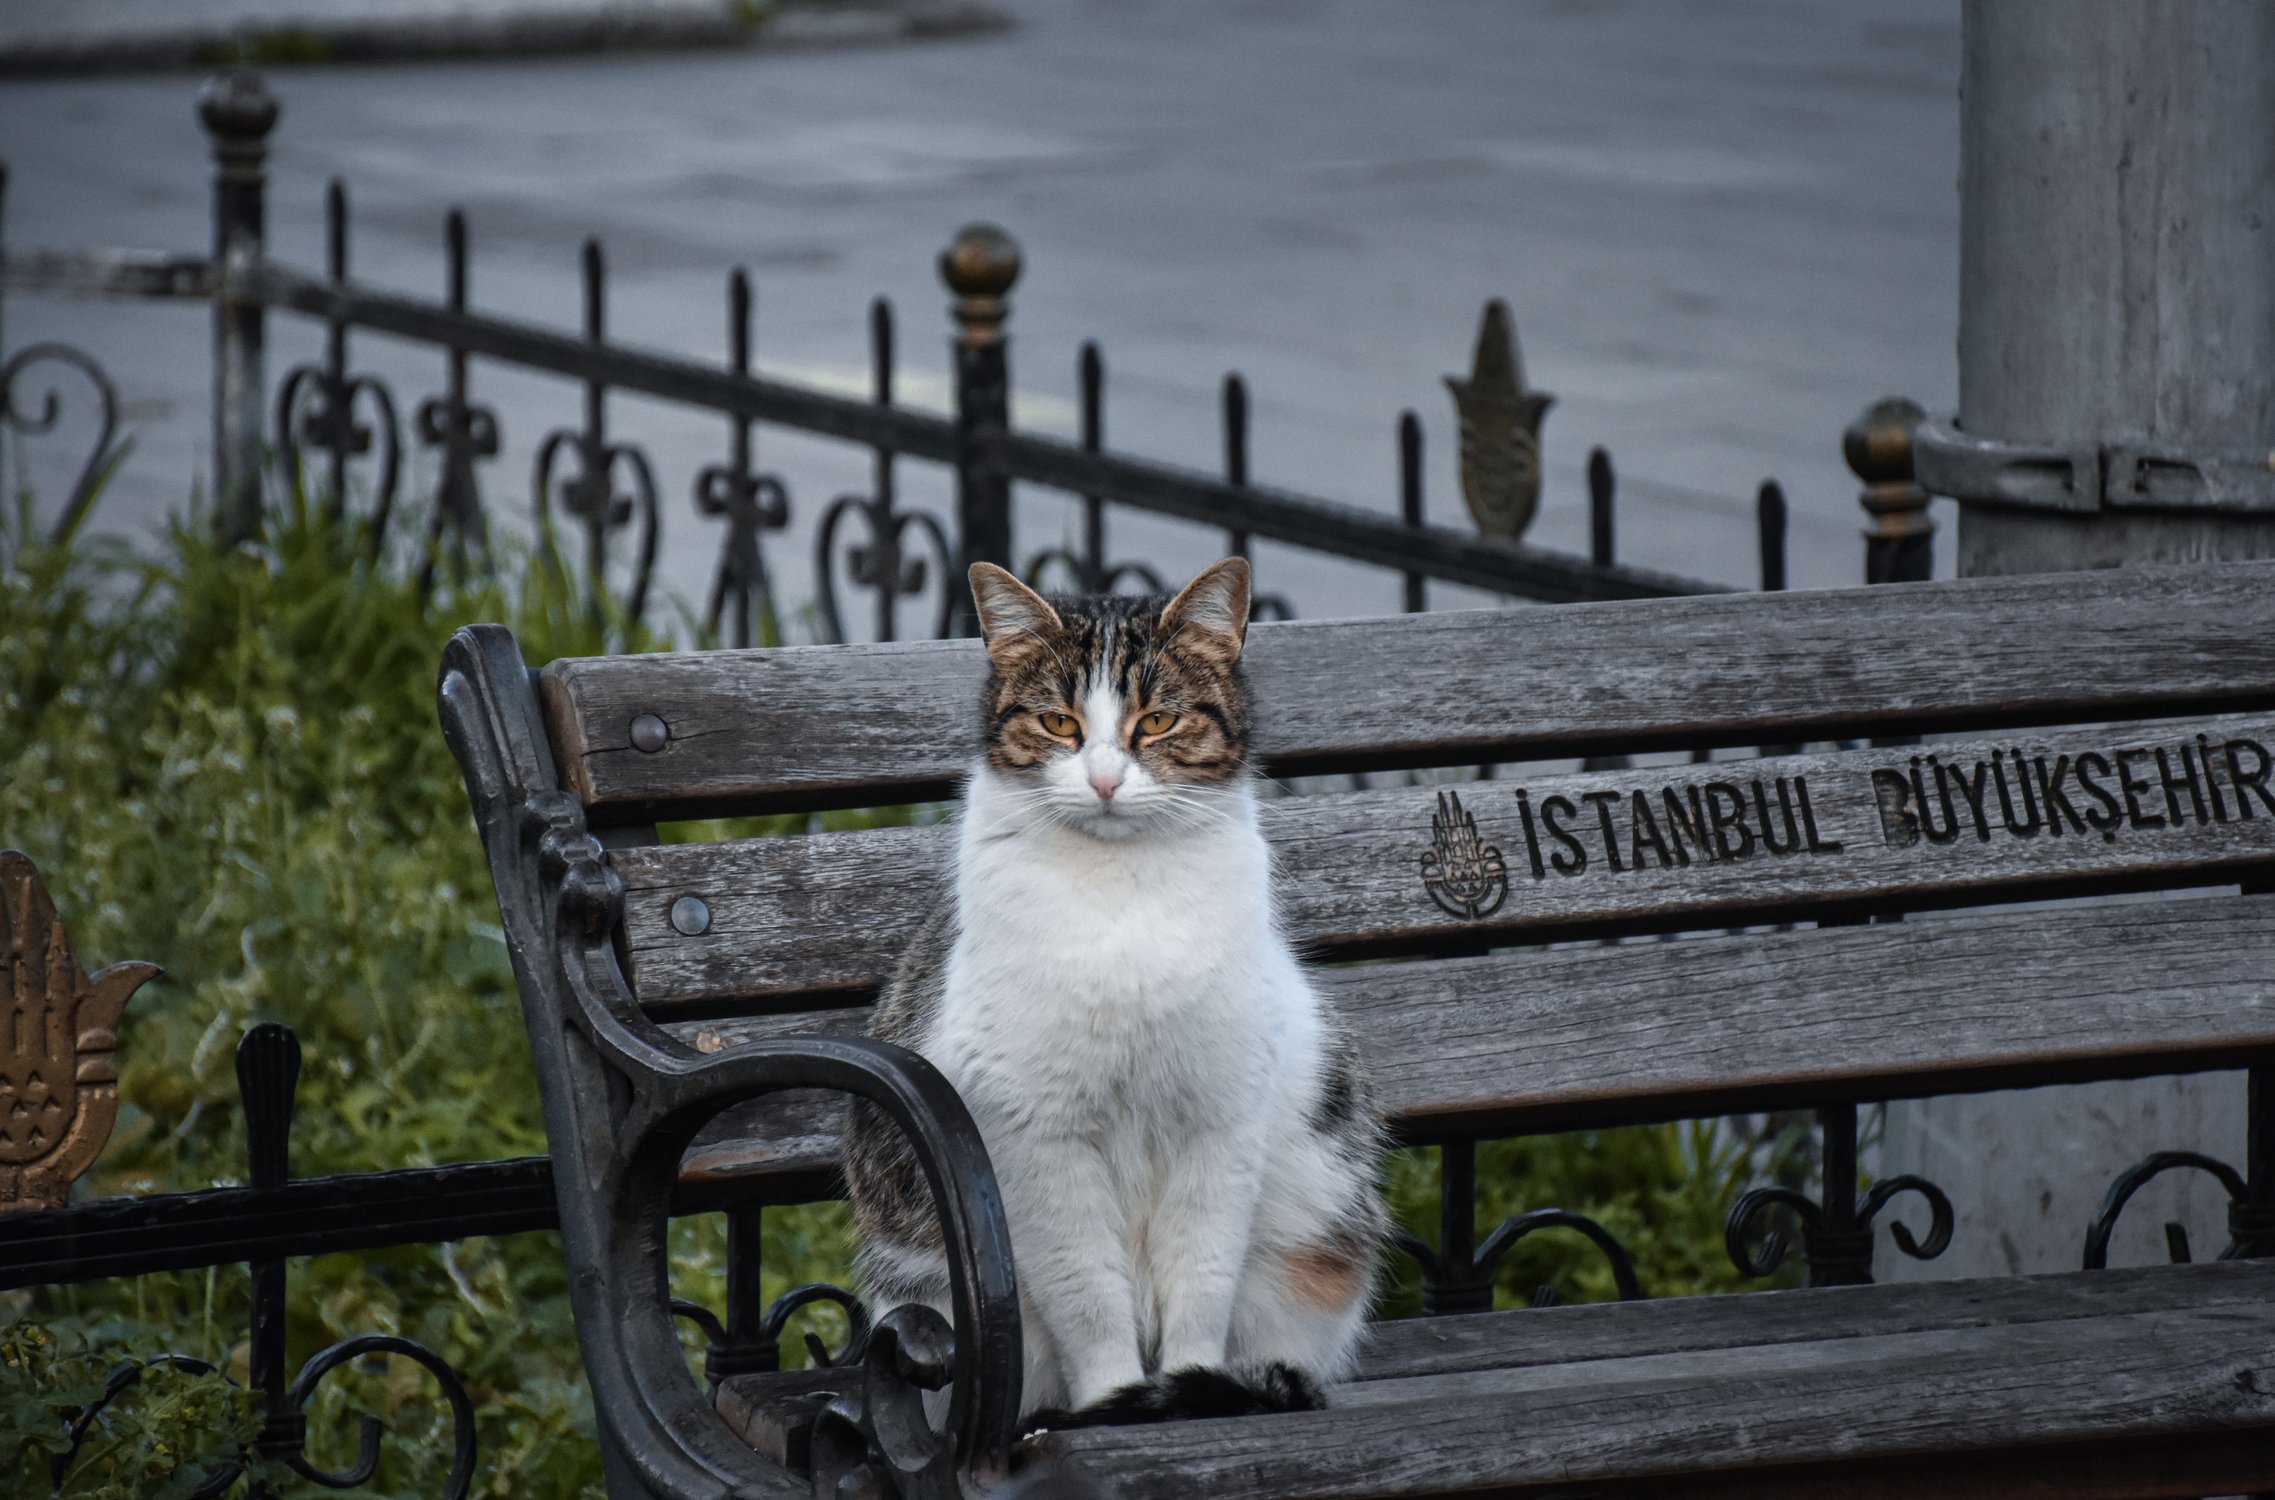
[793, 919]
[2174, 1375]
[826, 726]
[780, 1150]
[1407, 1347]
[2122, 1468]
[1552, 1038]
[774, 1410]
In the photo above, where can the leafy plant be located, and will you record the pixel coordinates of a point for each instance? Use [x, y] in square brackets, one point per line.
[149, 1432]
[226, 761]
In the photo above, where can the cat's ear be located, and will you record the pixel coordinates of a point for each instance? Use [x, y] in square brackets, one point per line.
[1211, 615]
[1011, 614]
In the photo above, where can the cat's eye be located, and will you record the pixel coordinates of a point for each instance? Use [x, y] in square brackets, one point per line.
[1062, 725]
[1157, 722]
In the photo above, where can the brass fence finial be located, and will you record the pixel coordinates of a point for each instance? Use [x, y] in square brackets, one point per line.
[980, 266]
[1878, 447]
[1500, 430]
[58, 1047]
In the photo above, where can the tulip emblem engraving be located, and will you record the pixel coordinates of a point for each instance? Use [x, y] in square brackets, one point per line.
[1464, 874]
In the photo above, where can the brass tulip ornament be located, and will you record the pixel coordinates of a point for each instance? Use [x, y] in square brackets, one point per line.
[1500, 431]
[58, 1046]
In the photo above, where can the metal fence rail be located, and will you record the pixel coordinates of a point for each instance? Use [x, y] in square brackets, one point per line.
[323, 420]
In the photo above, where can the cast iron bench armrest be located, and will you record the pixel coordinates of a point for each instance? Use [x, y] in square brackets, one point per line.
[623, 1098]
[910, 1351]
[635, 1098]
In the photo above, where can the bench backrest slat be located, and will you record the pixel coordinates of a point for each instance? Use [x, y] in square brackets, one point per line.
[1553, 1038]
[748, 731]
[796, 920]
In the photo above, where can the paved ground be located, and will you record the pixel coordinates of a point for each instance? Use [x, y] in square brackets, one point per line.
[54, 38]
[1724, 226]
[128, 20]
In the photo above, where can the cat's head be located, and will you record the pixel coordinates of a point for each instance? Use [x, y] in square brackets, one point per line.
[1117, 715]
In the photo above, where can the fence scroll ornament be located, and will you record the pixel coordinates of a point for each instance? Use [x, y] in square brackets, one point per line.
[317, 404]
[58, 1100]
[1454, 1283]
[18, 420]
[751, 504]
[2251, 1217]
[889, 564]
[589, 492]
[59, 1067]
[1459, 1275]
[764, 1352]
[1836, 1242]
[464, 432]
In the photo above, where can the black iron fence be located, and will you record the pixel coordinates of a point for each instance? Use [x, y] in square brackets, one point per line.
[334, 427]
[340, 431]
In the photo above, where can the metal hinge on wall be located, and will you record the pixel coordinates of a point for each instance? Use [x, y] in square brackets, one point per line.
[2087, 477]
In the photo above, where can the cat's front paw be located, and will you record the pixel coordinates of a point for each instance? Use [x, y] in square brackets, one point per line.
[1186, 1395]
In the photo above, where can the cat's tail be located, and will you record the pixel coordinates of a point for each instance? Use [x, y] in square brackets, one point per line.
[1182, 1395]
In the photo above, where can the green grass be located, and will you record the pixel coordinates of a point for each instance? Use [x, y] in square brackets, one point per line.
[227, 762]
[284, 47]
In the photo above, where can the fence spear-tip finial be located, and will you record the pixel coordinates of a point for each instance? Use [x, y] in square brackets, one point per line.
[1500, 430]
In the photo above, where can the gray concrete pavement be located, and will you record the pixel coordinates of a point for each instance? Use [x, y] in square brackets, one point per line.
[1723, 226]
[52, 38]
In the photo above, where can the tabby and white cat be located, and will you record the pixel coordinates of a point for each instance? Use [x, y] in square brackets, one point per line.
[1184, 1138]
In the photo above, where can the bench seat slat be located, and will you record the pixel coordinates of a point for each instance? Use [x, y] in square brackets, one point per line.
[2191, 1380]
[1404, 1348]
[796, 919]
[763, 730]
[1553, 1038]
[1577, 1333]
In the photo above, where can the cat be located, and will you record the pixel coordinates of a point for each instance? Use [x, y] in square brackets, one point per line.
[1185, 1139]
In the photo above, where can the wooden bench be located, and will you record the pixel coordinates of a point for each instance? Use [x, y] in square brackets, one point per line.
[686, 1000]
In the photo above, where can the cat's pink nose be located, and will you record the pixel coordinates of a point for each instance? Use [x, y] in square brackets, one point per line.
[1105, 783]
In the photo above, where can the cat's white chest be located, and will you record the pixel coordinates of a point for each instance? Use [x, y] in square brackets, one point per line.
[1124, 979]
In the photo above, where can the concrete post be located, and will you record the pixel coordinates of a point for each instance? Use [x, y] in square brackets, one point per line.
[2116, 282]
[2116, 405]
